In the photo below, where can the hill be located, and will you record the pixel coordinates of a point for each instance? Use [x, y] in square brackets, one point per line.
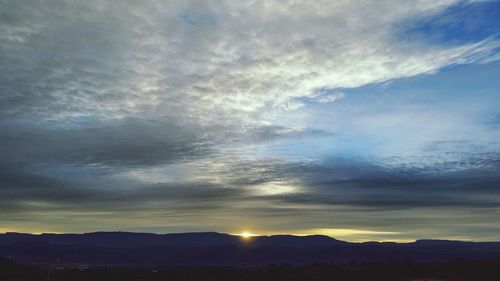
[218, 249]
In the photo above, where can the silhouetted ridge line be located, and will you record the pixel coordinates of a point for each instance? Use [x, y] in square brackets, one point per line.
[220, 249]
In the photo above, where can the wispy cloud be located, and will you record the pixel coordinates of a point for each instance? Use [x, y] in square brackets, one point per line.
[218, 113]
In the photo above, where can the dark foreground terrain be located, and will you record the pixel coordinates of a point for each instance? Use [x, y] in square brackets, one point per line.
[223, 250]
[404, 271]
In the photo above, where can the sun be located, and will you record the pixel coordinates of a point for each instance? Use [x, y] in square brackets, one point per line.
[246, 235]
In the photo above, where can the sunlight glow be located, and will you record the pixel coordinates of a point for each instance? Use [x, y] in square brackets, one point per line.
[246, 235]
[274, 188]
[355, 235]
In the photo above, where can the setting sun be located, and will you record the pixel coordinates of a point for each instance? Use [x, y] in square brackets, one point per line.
[246, 234]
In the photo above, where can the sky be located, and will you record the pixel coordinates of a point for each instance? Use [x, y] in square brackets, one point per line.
[362, 120]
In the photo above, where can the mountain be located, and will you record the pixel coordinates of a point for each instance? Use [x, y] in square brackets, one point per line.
[218, 249]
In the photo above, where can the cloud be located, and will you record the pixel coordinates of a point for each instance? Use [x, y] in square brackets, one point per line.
[122, 143]
[290, 196]
[330, 98]
[184, 112]
[201, 60]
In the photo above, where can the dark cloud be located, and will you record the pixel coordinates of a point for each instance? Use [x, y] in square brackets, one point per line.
[120, 143]
[27, 191]
[125, 142]
[269, 133]
[341, 182]
[349, 190]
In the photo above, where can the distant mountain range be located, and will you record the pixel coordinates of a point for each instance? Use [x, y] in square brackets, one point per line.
[218, 249]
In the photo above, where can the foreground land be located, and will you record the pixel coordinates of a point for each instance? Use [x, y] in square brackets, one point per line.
[402, 271]
[219, 250]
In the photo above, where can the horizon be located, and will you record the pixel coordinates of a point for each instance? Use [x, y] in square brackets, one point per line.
[358, 120]
[249, 237]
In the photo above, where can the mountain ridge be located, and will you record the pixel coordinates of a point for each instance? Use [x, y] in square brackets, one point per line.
[422, 240]
[221, 249]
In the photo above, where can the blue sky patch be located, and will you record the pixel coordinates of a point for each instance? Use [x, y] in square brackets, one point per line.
[457, 24]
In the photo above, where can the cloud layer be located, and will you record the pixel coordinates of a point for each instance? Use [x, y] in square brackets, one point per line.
[278, 116]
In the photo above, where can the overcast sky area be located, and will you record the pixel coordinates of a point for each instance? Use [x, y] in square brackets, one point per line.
[362, 120]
